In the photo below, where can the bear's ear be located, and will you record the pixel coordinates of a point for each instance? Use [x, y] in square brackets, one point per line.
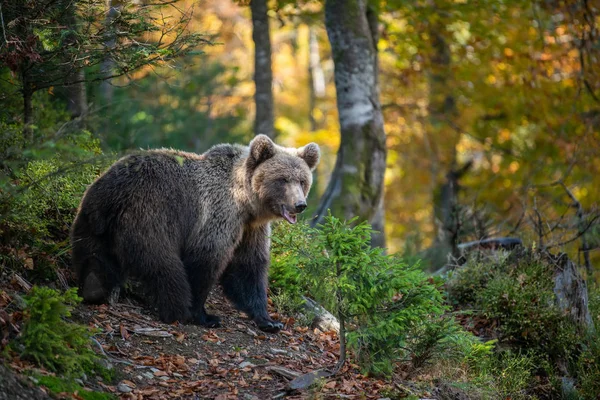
[261, 148]
[311, 154]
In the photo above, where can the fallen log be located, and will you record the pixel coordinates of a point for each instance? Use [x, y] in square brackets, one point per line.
[506, 243]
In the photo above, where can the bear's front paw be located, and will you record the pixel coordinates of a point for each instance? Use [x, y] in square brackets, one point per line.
[208, 320]
[269, 325]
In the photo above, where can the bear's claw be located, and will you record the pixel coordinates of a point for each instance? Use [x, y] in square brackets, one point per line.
[270, 326]
[208, 321]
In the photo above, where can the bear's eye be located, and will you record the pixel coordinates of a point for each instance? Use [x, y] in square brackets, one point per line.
[302, 183]
[284, 180]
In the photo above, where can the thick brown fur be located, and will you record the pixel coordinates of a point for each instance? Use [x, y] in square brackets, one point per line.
[180, 222]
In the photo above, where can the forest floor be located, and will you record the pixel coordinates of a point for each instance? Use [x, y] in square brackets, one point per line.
[153, 360]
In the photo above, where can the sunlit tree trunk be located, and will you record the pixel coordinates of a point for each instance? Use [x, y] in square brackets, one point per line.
[316, 83]
[356, 185]
[316, 77]
[263, 75]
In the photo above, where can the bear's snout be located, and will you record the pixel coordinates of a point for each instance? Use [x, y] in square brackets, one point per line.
[300, 206]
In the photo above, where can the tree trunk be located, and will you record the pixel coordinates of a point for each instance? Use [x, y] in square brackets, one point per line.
[571, 291]
[77, 97]
[316, 83]
[316, 77]
[107, 65]
[75, 82]
[263, 75]
[356, 185]
[442, 110]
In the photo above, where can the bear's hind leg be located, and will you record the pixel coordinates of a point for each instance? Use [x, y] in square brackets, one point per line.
[245, 279]
[202, 278]
[98, 273]
[98, 280]
[165, 279]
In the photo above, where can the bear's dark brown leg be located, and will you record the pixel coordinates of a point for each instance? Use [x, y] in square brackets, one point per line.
[245, 279]
[201, 269]
[97, 271]
[165, 279]
[156, 264]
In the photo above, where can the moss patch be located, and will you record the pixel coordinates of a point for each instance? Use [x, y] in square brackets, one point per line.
[58, 385]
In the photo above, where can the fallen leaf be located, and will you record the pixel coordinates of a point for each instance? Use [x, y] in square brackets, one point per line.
[180, 337]
[330, 384]
[128, 383]
[124, 334]
[28, 263]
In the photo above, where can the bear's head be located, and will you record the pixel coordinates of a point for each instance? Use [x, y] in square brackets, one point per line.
[281, 177]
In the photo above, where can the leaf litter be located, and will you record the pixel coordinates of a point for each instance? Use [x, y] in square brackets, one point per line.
[179, 361]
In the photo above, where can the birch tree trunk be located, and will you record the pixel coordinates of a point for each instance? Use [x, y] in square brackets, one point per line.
[356, 185]
[263, 75]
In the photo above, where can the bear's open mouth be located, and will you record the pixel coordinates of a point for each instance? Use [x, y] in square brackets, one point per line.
[291, 218]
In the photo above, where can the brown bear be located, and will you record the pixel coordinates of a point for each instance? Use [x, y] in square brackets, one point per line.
[179, 222]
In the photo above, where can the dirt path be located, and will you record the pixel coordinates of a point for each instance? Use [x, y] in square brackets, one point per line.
[159, 361]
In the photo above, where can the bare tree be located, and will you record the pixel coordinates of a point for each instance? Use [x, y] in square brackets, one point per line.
[356, 185]
[263, 74]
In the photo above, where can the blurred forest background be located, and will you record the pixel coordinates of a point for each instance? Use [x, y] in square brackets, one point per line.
[441, 122]
[490, 108]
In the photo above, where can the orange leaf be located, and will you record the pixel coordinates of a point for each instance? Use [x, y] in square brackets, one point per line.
[124, 334]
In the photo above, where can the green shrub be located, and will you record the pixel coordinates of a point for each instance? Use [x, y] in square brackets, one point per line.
[588, 367]
[442, 339]
[46, 191]
[381, 298]
[517, 293]
[291, 249]
[588, 363]
[513, 375]
[49, 339]
[465, 284]
[39, 195]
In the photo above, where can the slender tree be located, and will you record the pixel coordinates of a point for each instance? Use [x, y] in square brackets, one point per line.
[356, 185]
[76, 93]
[263, 74]
[442, 114]
[108, 63]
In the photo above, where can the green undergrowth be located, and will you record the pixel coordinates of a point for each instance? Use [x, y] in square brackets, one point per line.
[41, 184]
[401, 321]
[512, 295]
[59, 386]
[393, 312]
[53, 342]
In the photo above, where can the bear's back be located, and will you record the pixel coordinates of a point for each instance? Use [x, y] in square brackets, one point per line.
[163, 186]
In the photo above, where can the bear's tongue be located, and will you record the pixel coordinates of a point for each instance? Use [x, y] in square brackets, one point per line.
[291, 218]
